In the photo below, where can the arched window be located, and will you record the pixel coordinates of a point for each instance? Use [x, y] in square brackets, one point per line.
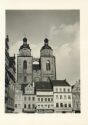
[48, 65]
[25, 64]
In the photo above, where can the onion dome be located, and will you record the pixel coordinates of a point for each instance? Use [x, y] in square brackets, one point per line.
[25, 45]
[46, 46]
[24, 39]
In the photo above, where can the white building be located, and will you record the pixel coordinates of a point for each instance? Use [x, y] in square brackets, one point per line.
[44, 97]
[62, 96]
[18, 101]
[29, 99]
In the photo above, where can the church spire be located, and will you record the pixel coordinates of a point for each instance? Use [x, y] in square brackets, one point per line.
[46, 41]
[24, 41]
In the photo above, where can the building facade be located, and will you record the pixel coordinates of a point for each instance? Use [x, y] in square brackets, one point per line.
[62, 96]
[44, 97]
[9, 79]
[76, 97]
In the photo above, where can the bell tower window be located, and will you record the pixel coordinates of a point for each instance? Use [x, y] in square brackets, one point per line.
[25, 64]
[48, 65]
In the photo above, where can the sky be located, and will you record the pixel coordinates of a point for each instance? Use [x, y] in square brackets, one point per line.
[61, 27]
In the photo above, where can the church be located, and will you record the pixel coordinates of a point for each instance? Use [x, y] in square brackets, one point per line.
[37, 89]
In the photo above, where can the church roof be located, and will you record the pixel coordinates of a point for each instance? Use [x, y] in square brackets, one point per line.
[25, 46]
[44, 86]
[46, 46]
[60, 83]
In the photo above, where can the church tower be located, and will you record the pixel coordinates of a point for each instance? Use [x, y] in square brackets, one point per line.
[24, 64]
[48, 64]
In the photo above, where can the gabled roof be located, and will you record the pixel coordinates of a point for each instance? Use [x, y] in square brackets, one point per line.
[60, 83]
[44, 86]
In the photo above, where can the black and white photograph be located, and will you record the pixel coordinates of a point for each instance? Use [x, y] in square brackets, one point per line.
[42, 61]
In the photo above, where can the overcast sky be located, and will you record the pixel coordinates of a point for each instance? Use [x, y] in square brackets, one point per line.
[61, 27]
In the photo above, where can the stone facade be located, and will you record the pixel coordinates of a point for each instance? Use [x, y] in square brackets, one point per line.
[9, 79]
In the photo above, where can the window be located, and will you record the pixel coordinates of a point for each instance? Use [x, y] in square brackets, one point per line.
[61, 104]
[48, 65]
[60, 89]
[41, 99]
[38, 99]
[48, 99]
[16, 105]
[29, 98]
[60, 96]
[69, 97]
[68, 90]
[64, 96]
[56, 89]
[51, 99]
[25, 98]
[69, 105]
[57, 105]
[29, 106]
[25, 64]
[45, 99]
[48, 106]
[33, 106]
[41, 105]
[65, 105]
[24, 105]
[64, 89]
[33, 98]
